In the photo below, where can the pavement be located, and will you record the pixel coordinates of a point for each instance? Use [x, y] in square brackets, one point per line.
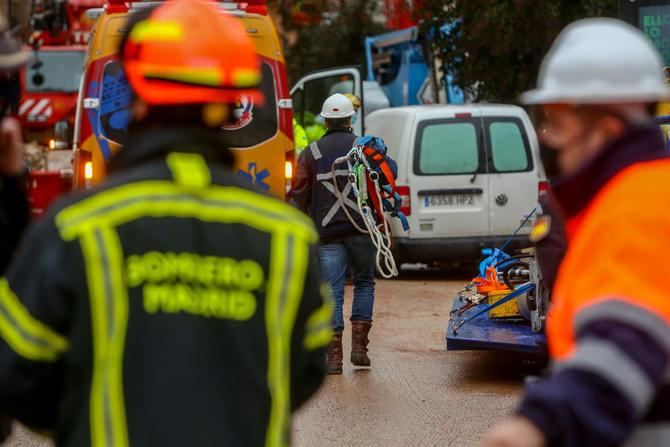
[416, 393]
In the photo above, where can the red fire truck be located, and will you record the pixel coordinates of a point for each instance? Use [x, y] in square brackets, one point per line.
[50, 85]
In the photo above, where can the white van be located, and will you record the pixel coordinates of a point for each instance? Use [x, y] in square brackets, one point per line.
[469, 175]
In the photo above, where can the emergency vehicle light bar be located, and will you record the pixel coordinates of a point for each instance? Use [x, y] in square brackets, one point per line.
[121, 6]
[226, 6]
[95, 13]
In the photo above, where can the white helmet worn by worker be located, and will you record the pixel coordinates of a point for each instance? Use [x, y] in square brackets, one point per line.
[337, 106]
[600, 61]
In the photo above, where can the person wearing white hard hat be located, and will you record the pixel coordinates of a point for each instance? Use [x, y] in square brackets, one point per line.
[608, 329]
[340, 242]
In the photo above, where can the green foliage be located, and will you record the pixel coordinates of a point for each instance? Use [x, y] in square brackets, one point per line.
[335, 38]
[498, 45]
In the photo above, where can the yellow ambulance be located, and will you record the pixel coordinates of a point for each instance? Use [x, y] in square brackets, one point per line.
[262, 136]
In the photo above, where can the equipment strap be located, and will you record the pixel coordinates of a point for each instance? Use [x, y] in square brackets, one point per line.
[382, 164]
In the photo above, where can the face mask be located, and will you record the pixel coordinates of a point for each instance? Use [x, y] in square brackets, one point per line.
[353, 119]
[549, 158]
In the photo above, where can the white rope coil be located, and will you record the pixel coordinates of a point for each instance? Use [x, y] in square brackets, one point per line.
[386, 266]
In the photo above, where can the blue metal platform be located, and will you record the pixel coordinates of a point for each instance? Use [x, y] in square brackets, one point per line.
[483, 333]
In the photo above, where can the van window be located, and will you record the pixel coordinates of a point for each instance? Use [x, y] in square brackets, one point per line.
[447, 148]
[308, 101]
[250, 123]
[509, 149]
[115, 97]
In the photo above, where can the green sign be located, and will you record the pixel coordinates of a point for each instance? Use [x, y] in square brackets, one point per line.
[655, 22]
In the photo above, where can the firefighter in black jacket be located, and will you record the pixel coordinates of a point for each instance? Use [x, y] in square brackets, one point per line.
[173, 304]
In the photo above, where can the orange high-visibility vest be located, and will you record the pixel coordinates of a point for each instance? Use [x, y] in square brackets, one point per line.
[619, 249]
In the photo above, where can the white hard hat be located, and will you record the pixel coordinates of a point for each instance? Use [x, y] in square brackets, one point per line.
[337, 106]
[600, 61]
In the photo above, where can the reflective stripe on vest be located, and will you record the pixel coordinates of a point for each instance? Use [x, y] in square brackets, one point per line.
[650, 435]
[627, 313]
[316, 153]
[606, 360]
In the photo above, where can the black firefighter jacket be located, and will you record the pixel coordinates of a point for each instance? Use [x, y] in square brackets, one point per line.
[173, 305]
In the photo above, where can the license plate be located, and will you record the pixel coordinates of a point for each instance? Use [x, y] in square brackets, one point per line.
[449, 200]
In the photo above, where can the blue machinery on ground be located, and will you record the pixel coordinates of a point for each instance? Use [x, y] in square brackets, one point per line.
[470, 327]
[504, 308]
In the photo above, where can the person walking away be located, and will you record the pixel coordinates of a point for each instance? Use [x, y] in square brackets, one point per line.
[314, 193]
[173, 304]
[609, 326]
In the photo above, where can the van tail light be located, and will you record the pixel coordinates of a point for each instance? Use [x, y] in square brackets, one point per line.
[406, 196]
[83, 169]
[256, 6]
[289, 172]
[115, 6]
[463, 115]
[88, 171]
[542, 187]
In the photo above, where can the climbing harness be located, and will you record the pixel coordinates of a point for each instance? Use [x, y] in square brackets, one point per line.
[373, 184]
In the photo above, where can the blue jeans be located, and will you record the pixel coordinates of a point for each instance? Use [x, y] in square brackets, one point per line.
[361, 255]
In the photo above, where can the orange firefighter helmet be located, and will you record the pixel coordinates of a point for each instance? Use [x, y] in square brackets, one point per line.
[188, 52]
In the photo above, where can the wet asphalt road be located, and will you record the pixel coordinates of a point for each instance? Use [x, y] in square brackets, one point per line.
[416, 393]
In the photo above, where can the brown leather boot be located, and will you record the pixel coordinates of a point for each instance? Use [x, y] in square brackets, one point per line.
[359, 342]
[334, 355]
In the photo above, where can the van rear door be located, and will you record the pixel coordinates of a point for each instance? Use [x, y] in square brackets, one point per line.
[311, 91]
[448, 177]
[513, 173]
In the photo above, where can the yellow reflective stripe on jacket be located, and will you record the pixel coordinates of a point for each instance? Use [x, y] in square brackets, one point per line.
[134, 190]
[289, 259]
[109, 314]
[184, 207]
[154, 198]
[189, 169]
[90, 219]
[28, 337]
[319, 330]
